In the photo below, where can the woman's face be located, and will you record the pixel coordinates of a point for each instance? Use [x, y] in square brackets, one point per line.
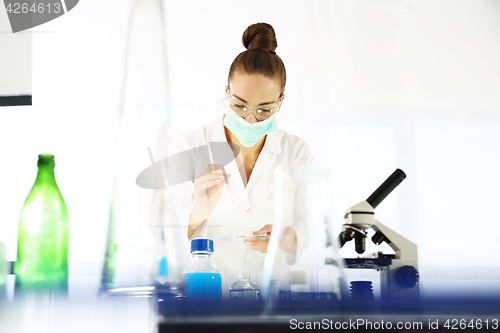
[254, 90]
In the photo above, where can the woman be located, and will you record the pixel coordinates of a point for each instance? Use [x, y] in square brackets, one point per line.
[240, 197]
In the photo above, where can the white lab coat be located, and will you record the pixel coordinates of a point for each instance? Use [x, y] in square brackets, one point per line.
[248, 208]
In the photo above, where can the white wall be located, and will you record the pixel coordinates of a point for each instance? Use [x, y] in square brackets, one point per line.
[372, 86]
[15, 59]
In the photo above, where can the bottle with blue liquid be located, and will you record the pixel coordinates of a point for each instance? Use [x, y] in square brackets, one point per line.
[162, 265]
[203, 280]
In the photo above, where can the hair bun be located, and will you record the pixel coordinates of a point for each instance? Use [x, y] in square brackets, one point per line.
[260, 36]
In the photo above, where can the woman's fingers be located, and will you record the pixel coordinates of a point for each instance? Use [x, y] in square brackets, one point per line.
[214, 175]
[207, 189]
[267, 227]
[205, 182]
[258, 245]
[201, 188]
[204, 177]
[288, 239]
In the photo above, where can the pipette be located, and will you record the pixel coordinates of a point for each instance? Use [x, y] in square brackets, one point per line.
[212, 159]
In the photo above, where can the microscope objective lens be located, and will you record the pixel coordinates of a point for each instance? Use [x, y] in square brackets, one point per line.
[360, 243]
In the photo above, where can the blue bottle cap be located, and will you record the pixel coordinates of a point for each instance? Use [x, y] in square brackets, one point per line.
[202, 245]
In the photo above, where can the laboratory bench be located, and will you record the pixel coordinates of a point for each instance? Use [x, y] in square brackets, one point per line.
[150, 310]
[304, 311]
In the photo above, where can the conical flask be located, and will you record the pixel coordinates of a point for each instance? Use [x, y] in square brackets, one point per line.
[244, 289]
[42, 247]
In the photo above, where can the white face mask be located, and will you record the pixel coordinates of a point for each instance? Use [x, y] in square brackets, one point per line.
[248, 134]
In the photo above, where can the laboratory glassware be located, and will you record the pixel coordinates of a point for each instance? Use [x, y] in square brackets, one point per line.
[42, 248]
[161, 261]
[203, 280]
[244, 289]
[316, 271]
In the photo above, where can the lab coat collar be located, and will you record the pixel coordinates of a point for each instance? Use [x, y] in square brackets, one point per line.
[216, 134]
[273, 142]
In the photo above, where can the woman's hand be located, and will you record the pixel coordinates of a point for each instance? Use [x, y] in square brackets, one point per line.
[207, 192]
[260, 244]
[287, 241]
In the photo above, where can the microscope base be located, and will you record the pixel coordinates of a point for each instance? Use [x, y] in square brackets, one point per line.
[398, 278]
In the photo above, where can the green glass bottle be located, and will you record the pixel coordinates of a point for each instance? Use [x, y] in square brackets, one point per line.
[3, 271]
[42, 246]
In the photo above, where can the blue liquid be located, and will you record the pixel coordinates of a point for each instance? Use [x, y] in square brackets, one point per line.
[204, 285]
[161, 274]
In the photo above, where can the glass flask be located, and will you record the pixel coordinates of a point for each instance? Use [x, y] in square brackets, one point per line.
[244, 289]
[42, 248]
[203, 280]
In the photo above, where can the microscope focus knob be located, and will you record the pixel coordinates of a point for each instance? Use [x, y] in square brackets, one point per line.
[407, 276]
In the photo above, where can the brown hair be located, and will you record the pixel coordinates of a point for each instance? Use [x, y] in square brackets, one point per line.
[260, 41]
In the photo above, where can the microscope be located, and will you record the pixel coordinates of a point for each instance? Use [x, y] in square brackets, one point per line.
[399, 276]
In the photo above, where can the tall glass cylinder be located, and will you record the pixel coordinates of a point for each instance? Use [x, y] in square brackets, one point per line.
[311, 270]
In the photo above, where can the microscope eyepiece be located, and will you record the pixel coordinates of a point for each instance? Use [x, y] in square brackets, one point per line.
[386, 188]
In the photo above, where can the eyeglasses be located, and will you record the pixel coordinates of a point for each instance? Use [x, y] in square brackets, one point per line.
[261, 112]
